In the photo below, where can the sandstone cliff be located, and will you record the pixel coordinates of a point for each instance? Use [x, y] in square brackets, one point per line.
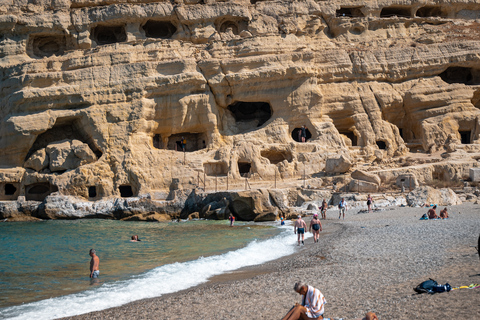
[96, 94]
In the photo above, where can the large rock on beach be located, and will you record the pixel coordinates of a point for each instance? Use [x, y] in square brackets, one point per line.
[428, 195]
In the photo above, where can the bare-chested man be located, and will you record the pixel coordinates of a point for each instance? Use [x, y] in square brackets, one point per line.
[299, 228]
[94, 264]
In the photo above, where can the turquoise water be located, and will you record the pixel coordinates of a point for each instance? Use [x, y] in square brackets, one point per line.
[40, 260]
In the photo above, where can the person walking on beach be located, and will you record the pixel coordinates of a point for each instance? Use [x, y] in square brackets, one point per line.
[94, 264]
[316, 225]
[323, 209]
[312, 306]
[342, 207]
[369, 203]
[232, 219]
[299, 227]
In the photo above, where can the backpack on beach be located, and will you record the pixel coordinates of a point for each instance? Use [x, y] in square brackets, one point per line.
[431, 286]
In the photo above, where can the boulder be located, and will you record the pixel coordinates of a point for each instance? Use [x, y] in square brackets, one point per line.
[61, 156]
[38, 161]
[83, 152]
[362, 186]
[338, 165]
[366, 176]
[428, 195]
[407, 180]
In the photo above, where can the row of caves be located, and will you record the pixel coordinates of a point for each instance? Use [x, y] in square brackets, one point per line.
[44, 45]
[430, 11]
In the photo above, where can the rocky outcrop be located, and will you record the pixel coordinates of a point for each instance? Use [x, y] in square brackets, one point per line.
[98, 97]
[427, 195]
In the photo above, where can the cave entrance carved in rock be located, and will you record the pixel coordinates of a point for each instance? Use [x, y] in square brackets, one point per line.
[381, 145]
[125, 191]
[350, 12]
[47, 45]
[92, 192]
[350, 135]
[157, 141]
[109, 34]
[10, 191]
[159, 29]
[250, 115]
[402, 12]
[431, 11]
[468, 76]
[465, 137]
[297, 134]
[244, 168]
[66, 128]
[215, 168]
[276, 156]
[39, 191]
[195, 141]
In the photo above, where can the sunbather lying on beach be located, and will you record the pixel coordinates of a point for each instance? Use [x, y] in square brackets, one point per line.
[312, 306]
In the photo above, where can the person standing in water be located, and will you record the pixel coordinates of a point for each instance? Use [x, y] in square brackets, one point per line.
[232, 219]
[299, 227]
[316, 225]
[94, 264]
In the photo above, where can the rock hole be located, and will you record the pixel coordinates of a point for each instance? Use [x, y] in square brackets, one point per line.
[159, 29]
[244, 168]
[465, 137]
[125, 191]
[215, 168]
[381, 145]
[350, 135]
[10, 189]
[250, 115]
[46, 46]
[353, 12]
[39, 191]
[236, 25]
[109, 34]
[157, 141]
[431, 11]
[468, 76]
[92, 192]
[276, 156]
[403, 12]
[194, 141]
[297, 134]
[400, 131]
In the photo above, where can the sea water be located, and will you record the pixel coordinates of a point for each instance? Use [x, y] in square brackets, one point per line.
[44, 270]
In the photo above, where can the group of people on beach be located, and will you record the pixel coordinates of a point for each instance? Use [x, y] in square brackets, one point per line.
[300, 226]
[313, 305]
[432, 214]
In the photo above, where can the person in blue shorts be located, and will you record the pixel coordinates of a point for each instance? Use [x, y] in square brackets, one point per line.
[299, 228]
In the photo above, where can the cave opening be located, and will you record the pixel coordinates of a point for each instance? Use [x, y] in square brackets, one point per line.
[381, 145]
[92, 192]
[236, 25]
[159, 29]
[402, 12]
[157, 141]
[276, 156]
[109, 34]
[125, 191]
[350, 135]
[465, 137]
[467, 76]
[69, 128]
[250, 115]
[48, 45]
[10, 189]
[297, 134]
[244, 168]
[350, 12]
[431, 11]
[194, 141]
[39, 191]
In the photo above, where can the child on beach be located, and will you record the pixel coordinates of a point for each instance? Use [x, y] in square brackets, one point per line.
[232, 219]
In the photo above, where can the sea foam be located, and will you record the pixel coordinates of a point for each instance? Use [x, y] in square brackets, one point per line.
[156, 282]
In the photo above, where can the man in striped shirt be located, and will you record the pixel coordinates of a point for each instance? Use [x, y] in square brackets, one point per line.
[312, 306]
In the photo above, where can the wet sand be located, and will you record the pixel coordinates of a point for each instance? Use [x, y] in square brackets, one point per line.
[367, 262]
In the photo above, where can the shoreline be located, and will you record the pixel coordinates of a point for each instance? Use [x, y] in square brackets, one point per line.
[369, 262]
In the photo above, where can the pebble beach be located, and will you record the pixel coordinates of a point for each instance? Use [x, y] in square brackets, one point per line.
[367, 262]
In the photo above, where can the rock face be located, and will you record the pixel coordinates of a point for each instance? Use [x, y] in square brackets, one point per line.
[98, 98]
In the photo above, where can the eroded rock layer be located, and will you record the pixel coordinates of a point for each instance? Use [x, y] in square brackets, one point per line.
[98, 97]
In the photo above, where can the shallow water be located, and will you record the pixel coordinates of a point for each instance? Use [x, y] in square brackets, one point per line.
[51, 258]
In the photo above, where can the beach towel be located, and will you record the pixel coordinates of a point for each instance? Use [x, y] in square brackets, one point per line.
[424, 217]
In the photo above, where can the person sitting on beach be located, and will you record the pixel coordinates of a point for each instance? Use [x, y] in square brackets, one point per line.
[316, 225]
[432, 214]
[444, 213]
[312, 306]
[323, 209]
[300, 226]
[369, 316]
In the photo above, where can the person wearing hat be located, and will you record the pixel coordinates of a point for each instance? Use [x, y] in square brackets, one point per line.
[299, 228]
[316, 225]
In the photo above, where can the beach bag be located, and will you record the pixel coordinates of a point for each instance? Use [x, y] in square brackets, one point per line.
[431, 286]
